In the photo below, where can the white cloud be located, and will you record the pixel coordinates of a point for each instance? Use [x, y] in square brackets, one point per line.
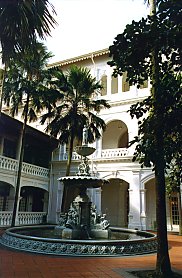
[90, 25]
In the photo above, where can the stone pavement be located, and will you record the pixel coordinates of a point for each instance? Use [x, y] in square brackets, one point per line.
[27, 265]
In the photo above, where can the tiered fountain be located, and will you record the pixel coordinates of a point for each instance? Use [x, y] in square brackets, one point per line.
[81, 231]
[82, 220]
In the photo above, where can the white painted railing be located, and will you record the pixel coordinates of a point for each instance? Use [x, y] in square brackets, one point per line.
[104, 154]
[8, 163]
[24, 218]
[27, 218]
[12, 165]
[114, 153]
[5, 218]
[35, 170]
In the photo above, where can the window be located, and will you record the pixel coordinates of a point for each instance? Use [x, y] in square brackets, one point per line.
[125, 84]
[145, 85]
[104, 85]
[114, 85]
[175, 211]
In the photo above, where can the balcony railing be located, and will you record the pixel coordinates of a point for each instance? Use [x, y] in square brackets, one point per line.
[24, 218]
[103, 154]
[115, 153]
[10, 164]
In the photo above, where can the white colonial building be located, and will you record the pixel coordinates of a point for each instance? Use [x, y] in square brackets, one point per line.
[129, 197]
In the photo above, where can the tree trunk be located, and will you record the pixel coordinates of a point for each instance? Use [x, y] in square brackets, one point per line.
[163, 266]
[1, 91]
[180, 212]
[20, 163]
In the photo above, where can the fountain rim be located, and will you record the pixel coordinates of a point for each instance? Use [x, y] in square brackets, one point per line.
[80, 248]
[150, 236]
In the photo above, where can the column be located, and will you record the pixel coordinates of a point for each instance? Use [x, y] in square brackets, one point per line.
[134, 202]
[98, 199]
[143, 209]
[55, 199]
[98, 148]
[59, 200]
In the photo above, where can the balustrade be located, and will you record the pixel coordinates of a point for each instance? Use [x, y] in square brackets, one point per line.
[24, 218]
[105, 154]
[114, 153]
[12, 165]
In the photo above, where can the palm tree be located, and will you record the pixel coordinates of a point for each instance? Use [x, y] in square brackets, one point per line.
[24, 87]
[21, 23]
[76, 109]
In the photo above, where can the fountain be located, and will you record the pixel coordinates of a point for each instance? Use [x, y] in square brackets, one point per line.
[81, 231]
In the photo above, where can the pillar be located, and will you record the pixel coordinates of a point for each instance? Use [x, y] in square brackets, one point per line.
[45, 200]
[98, 151]
[143, 209]
[134, 202]
[55, 199]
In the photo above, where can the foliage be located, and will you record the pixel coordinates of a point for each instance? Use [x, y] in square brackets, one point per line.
[151, 48]
[27, 74]
[132, 52]
[77, 108]
[22, 22]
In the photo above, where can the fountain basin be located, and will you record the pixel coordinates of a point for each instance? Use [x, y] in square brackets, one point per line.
[83, 181]
[15, 238]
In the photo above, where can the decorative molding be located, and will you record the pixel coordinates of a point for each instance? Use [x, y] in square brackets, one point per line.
[92, 248]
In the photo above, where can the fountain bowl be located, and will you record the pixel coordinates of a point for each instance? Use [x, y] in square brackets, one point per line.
[78, 181]
[18, 238]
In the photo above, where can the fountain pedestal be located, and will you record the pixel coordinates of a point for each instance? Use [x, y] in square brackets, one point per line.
[82, 220]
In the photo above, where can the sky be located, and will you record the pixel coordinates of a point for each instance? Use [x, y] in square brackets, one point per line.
[90, 25]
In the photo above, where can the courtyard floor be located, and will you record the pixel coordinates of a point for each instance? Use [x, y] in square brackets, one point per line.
[27, 265]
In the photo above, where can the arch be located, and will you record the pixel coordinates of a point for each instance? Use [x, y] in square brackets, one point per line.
[120, 138]
[147, 178]
[9, 179]
[149, 186]
[32, 198]
[6, 196]
[115, 202]
[35, 184]
[118, 175]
